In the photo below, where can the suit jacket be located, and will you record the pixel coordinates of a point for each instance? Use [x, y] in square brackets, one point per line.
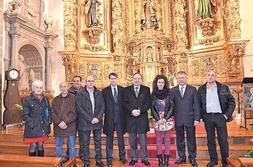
[138, 124]
[227, 101]
[84, 110]
[187, 108]
[109, 110]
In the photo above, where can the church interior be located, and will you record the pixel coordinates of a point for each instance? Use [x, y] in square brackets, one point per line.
[55, 40]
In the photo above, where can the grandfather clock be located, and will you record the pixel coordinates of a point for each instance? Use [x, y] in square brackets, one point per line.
[11, 98]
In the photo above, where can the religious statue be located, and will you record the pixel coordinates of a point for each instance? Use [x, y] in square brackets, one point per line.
[150, 19]
[91, 12]
[207, 8]
[23, 83]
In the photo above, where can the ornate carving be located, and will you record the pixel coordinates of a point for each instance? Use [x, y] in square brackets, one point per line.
[181, 40]
[13, 7]
[70, 61]
[233, 20]
[117, 25]
[234, 58]
[70, 25]
[94, 69]
[92, 34]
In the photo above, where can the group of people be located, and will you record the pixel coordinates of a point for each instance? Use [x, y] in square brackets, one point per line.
[118, 110]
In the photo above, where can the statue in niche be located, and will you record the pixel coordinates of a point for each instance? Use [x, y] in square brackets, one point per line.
[91, 13]
[150, 18]
[150, 54]
[207, 8]
[23, 82]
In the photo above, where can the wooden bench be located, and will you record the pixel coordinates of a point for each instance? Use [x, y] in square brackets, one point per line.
[12, 160]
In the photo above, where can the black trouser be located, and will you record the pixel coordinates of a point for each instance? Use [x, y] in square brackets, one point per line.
[191, 141]
[84, 142]
[216, 122]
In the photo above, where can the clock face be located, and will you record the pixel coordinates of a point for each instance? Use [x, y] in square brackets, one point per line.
[13, 74]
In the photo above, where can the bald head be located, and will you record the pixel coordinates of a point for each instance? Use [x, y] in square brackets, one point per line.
[64, 88]
[90, 82]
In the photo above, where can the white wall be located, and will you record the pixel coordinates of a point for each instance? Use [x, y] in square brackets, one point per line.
[247, 33]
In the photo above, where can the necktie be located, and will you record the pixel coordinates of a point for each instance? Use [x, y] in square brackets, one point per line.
[115, 94]
[182, 91]
[136, 91]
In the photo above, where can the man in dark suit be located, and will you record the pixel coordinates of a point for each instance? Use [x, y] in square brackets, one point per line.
[137, 102]
[217, 106]
[77, 85]
[187, 116]
[114, 118]
[90, 110]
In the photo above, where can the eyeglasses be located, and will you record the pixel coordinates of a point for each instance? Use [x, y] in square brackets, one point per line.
[90, 80]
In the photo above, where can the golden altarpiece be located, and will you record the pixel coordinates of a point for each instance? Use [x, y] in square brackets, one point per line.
[152, 37]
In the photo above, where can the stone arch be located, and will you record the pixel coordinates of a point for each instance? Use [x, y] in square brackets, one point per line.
[30, 64]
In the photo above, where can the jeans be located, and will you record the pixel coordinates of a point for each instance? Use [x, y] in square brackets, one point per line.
[84, 140]
[71, 146]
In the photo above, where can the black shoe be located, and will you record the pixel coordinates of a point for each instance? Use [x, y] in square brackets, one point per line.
[146, 162]
[166, 160]
[132, 162]
[181, 161]
[193, 162]
[32, 154]
[212, 164]
[100, 164]
[109, 163]
[124, 161]
[86, 164]
[64, 160]
[224, 163]
[160, 160]
[40, 153]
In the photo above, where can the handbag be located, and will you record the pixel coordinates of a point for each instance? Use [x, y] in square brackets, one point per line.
[166, 126]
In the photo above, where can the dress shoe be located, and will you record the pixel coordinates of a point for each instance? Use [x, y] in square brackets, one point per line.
[224, 163]
[212, 164]
[109, 163]
[193, 162]
[180, 161]
[64, 160]
[86, 164]
[146, 162]
[124, 161]
[132, 163]
[100, 164]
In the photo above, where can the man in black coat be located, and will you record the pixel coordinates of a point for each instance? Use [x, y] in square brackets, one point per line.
[77, 85]
[114, 118]
[217, 106]
[137, 102]
[187, 116]
[90, 109]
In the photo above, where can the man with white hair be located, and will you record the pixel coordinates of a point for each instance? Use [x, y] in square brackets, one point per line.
[64, 119]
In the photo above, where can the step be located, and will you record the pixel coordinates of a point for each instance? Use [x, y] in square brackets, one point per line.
[11, 160]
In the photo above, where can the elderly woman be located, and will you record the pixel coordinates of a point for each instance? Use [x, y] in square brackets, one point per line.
[36, 114]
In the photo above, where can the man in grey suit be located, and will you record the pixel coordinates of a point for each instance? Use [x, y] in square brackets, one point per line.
[187, 116]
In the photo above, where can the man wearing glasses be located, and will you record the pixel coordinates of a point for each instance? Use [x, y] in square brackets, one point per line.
[90, 110]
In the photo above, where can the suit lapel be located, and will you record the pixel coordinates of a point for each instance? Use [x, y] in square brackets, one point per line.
[110, 92]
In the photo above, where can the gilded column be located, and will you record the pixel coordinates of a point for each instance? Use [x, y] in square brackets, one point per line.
[70, 25]
[232, 19]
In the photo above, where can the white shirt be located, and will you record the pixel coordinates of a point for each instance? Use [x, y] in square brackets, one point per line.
[212, 100]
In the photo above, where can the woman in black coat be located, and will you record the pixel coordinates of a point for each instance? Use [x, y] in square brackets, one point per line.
[36, 114]
[162, 111]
